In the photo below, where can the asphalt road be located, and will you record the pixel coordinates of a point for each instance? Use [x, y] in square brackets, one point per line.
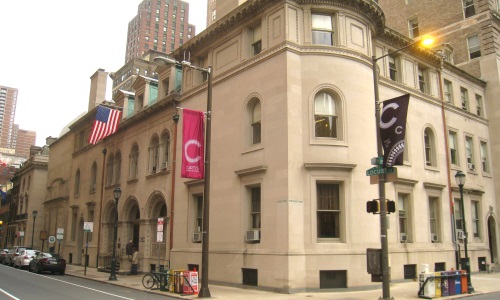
[20, 284]
[490, 296]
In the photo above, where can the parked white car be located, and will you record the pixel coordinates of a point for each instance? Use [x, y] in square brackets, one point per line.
[22, 261]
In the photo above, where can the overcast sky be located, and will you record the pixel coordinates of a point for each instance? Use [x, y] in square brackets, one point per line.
[49, 49]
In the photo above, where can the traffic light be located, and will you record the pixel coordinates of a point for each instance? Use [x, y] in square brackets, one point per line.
[373, 206]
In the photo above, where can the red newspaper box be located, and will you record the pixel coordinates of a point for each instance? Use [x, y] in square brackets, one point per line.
[190, 283]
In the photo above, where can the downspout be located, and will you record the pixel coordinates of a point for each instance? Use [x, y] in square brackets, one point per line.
[172, 194]
[100, 206]
[448, 165]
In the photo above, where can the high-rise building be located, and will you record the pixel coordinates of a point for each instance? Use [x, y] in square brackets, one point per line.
[24, 140]
[8, 102]
[160, 25]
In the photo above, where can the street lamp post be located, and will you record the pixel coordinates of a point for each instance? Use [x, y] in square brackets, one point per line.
[386, 273]
[204, 291]
[116, 193]
[34, 213]
[460, 179]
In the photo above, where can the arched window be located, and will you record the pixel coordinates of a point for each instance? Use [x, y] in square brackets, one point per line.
[429, 148]
[165, 150]
[93, 178]
[255, 121]
[109, 169]
[326, 118]
[134, 162]
[77, 183]
[117, 167]
[154, 155]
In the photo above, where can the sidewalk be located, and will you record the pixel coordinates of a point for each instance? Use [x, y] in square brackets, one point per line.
[482, 283]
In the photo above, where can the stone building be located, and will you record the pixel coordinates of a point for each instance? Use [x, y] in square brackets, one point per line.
[293, 133]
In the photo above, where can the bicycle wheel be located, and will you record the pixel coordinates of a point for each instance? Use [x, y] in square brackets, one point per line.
[148, 281]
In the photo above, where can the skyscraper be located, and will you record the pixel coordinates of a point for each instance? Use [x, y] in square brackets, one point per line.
[24, 140]
[160, 25]
[8, 102]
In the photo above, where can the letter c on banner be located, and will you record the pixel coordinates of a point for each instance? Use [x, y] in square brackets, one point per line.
[393, 120]
[186, 146]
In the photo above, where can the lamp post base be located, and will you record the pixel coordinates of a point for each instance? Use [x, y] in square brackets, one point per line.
[112, 276]
[204, 293]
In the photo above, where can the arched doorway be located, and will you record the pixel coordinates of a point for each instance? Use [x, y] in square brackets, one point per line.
[492, 240]
[158, 251]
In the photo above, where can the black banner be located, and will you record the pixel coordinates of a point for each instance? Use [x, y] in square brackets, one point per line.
[392, 129]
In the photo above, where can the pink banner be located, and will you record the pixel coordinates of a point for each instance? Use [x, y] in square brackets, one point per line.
[193, 144]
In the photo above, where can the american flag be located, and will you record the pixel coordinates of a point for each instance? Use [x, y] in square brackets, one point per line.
[106, 122]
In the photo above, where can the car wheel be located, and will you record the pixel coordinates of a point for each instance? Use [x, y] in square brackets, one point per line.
[62, 272]
[37, 269]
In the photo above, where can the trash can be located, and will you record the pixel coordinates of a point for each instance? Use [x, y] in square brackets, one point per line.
[451, 283]
[190, 283]
[437, 283]
[463, 281]
[458, 285]
[444, 284]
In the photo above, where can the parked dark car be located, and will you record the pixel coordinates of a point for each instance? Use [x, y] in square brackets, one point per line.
[50, 262]
[13, 252]
[3, 253]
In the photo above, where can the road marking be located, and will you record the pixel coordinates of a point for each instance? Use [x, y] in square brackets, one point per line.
[1, 290]
[102, 292]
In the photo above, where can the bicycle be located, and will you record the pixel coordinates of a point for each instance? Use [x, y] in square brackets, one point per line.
[150, 280]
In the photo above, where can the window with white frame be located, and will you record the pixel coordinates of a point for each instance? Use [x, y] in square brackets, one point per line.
[165, 150]
[326, 118]
[464, 97]
[254, 109]
[198, 223]
[429, 148]
[256, 39]
[469, 152]
[134, 162]
[404, 217]
[453, 144]
[154, 155]
[413, 28]
[479, 105]
[469, 9]
[485, 164]
[328, 212]
[434, 219]
[93, 178]
[422, 79]
[474, 46]
[448, 91]
[474, 208]
[255, 207]
[394, 67]
[322, 29]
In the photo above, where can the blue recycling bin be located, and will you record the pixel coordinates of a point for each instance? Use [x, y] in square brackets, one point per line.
[458, 285]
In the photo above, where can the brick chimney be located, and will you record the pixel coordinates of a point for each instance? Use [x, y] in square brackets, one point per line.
[97, 88]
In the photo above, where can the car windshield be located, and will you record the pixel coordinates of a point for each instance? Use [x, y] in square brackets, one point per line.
[31, 252]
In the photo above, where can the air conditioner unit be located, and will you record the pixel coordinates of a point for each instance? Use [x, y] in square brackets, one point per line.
[253, 235]
[470, 166]
[460, 235]
[164, 165]
[403, 238]
[434, 238]
[197, 236]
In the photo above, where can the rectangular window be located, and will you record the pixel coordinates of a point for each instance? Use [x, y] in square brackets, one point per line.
[322, 29]
[255, 208]
[458, 215]
[474, 46]
[452, 140]
[413, 28]
[469, 10]
[448, 91]
[434, 218]
[469, 152]
[403, 214]
[198, 201]
[475, 218]
[464, 96]
[256, 40]
[422, 79]
[393, 67]
[328, 210]
[479, 105]
[485, 164]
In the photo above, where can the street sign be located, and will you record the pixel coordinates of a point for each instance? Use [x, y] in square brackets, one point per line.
[88, 226]
[378, 171]
[52, 239]
[377, 161]
[159, 236]
[21, 233]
